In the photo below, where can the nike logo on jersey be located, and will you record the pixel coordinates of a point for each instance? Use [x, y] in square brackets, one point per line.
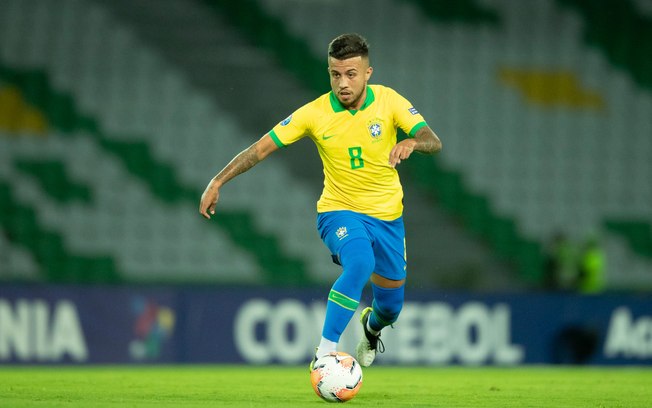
[327, 137]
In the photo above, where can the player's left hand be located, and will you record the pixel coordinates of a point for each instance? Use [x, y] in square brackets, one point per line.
[401, 151]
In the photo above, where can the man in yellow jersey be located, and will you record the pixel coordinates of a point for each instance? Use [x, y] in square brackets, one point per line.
[360, 210]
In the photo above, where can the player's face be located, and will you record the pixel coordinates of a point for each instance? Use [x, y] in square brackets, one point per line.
[349, 80]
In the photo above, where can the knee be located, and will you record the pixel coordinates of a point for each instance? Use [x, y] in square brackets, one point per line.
[360, 264]
[358, 256]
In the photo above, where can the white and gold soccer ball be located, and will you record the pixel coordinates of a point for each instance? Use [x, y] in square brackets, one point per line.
[336, 377]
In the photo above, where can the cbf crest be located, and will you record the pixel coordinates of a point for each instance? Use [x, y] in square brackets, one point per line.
[375, 129]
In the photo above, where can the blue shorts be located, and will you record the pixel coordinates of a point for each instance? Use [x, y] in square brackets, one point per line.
[387, 239]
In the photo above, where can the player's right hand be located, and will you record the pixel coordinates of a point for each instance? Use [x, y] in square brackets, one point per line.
[209, 200]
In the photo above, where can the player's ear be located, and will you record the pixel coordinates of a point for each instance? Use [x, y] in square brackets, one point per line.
[370, 70]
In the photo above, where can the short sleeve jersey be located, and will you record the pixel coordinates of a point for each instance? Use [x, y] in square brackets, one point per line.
[354, 146]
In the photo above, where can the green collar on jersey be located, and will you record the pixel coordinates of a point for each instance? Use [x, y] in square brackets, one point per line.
[337, 106]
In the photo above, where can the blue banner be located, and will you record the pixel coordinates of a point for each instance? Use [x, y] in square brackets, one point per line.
[86, 325]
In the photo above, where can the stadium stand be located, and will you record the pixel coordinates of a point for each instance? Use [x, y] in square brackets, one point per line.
[545, 118]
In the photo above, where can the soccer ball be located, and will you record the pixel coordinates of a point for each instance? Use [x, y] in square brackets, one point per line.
[336, 377]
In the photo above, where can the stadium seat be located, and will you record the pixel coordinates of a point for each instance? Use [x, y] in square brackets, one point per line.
[518, 166]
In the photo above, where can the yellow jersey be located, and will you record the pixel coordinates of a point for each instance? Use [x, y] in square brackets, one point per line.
[354, 146]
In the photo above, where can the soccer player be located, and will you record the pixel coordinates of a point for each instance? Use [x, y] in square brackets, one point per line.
[360, 210]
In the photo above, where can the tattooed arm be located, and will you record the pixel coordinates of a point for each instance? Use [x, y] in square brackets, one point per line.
[244, 161]
[424, 141]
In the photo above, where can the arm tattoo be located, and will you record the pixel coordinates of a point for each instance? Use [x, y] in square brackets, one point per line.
[244, 161]
[427, 141]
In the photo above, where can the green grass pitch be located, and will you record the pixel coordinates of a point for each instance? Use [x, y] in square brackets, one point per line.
[275, 386]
